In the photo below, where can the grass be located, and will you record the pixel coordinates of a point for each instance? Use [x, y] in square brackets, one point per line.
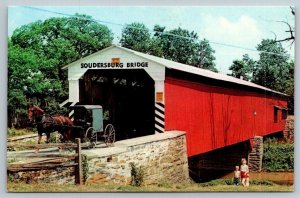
[12, 132]
[165, 187]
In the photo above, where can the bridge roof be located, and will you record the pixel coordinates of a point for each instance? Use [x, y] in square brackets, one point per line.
[185, 68]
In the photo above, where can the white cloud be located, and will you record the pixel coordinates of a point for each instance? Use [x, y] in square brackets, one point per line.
[242, 32]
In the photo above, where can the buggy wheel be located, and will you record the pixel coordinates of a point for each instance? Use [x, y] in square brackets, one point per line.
[109, 135]
[91, 136]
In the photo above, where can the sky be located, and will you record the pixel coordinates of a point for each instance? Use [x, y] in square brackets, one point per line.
[244, 27]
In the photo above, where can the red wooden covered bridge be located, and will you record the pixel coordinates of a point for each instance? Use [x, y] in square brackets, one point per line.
[143, 94]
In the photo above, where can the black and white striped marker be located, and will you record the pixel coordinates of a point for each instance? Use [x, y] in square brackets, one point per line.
[159, 117]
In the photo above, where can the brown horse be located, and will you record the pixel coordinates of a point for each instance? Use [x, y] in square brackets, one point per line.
[47, 124]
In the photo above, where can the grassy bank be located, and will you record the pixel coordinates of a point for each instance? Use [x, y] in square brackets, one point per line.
[12, 132]
[165, 187]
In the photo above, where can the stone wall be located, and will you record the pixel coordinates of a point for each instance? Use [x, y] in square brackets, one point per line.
[289, 128]
[163, 157]
[256, 154]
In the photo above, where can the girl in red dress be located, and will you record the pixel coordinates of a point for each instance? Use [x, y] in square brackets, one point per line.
[244, 173]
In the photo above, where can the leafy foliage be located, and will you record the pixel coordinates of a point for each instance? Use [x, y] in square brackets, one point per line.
[207, 57]
[243, 68]
[36, 54]
[164, 44]
[136, 36]
[25, 80]
[271, 70]
[85, 167]
[278, 156]
[290, 86]
[275, 72]
[137, 174]
[54, 108]
[180, 49]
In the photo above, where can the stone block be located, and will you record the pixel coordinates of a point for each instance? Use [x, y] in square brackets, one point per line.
[122, 161]
[256, 154]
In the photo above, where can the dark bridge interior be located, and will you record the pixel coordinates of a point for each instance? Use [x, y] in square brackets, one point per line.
[217, 163]
[127, 98]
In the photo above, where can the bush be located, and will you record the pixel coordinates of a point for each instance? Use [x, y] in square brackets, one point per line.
[54, 138]
[85, 167]
[278, 155]
[137, 174]
[53, 108]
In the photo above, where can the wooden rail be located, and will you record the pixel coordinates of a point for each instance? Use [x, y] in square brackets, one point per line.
[45, 155]
[56, 161]
[22, 137]
[42, 146]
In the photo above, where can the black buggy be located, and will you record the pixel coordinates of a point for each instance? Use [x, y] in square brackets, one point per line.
[89, 123]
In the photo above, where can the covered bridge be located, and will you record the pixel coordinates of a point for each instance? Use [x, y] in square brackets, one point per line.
[144, 94]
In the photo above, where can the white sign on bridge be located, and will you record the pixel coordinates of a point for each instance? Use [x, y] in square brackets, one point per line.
[115, 65]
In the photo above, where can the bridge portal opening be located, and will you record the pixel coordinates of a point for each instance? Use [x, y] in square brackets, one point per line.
[127, 98]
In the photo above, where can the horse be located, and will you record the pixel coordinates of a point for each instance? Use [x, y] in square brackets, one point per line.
[47, 124]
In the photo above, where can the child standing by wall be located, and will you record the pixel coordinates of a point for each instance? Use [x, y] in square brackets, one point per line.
[244, 173]
[237, 176]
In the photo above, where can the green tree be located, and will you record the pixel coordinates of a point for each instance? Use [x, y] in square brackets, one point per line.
[136, 36]
[274, 70]
[38, 51]
[62, 40]
[178, 48]
[25, 80]
[206, 57]
[184, 47]
[290, 86]
[243, 68]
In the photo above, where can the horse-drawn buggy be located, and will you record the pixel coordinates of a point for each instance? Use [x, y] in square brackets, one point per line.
[88, 125]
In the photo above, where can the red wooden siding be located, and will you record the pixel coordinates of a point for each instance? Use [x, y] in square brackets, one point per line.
[214, 117]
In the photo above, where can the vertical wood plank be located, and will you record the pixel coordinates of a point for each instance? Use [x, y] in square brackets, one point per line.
[78, 169]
